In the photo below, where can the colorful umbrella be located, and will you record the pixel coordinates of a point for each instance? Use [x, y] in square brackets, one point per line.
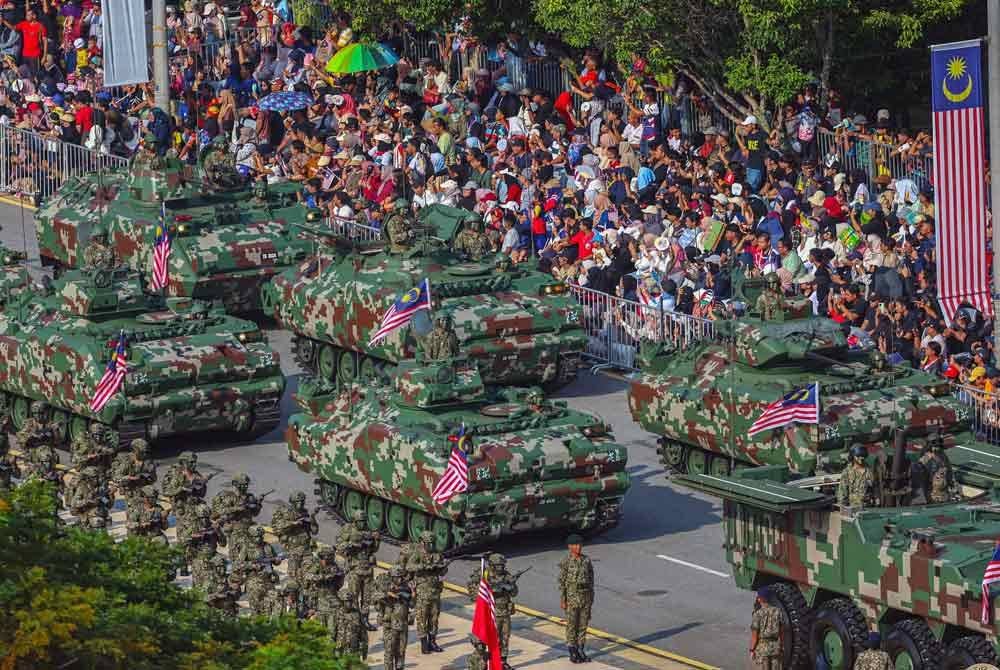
[285, 101]
[361, 58]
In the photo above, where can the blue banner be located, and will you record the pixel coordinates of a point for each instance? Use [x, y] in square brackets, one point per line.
[956, 76]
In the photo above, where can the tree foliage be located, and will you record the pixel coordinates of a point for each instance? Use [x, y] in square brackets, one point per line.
[75, 598]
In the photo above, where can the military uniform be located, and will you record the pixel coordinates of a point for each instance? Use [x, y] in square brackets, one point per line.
[34, 431]
[8, 466]
[442, 342]
[399, 228]
[218, 591]
[941, 479]
[98, 256]
[130, 471]
[870, 659]
[505, 592]
[233, 510]
[90, 450]
[770, 303]
[766, 622]
[295, 529]
[290, 603]
[253, 568]
[198, 537]
[147, 518]
[856, 486]
[576, 592]
[352, 632]
[473, 243]
[358, 547]
[87, 498]
[394, 608]
[427, 568]
[183, 485]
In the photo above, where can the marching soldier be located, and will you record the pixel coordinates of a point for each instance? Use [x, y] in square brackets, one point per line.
[218, 591]
[856, 487]
[132, 470]
[91, 449]
[358, 545]
[427, 568]
[321, 579]
[765, 634]
[254, 569]
[479, 659]
[295, 529]
[872, 658]
[394, 608]
[8, 466]
[504, 586]
[441, 343]
[352, 632]
[576, 596]
[147, 518]
[183, 485]
[291, 601]
[34, 431]
[234, 510]
[87, 498]
[198, 537]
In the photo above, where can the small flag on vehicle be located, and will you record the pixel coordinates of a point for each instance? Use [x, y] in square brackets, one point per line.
[161, 251]
[801, 405]
[991, 576]
[455, 479]
[401, 312]
[114, 376]
[484, 620]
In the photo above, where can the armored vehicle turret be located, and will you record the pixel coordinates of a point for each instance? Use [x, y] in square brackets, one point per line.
[227, 238]
[532, 463]
[190, 368]
[702, 398]
[519, 325]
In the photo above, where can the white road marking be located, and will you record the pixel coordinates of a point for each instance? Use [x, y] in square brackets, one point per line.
[678, 561]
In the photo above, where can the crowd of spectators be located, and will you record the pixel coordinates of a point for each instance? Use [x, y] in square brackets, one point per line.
[607, 183]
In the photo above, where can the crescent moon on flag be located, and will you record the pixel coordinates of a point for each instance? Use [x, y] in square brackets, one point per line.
[957, 97]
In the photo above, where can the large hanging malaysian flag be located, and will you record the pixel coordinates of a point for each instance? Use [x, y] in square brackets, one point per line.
[161, 252]
[959, 175]
[114, 376]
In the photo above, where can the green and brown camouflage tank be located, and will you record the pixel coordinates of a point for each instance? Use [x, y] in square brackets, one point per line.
[702, 395]
[227, 238]
[191, 368]
[911, 573]
[533, 464]
[519, 325]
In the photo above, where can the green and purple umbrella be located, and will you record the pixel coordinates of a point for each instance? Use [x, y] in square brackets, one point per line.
[361, 57]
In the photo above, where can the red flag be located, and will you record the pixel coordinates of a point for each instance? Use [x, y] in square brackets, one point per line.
[484, 621]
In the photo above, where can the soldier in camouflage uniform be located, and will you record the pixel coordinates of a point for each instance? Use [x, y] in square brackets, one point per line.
[857, 484]
[91, 449]
[576, 596]
[441, 343]
[770, 303]
[479, 659]
[398, 226]
[198, 537]
[34, 431]
[504, 587]
[352, 632]
[295, 529]
[98, 255]
[87, 498]
[8, 465]
[132, 470]
[234, 510]
[254, 570]
[321, 579]
[941, 479]
[183, 485]
[394, 612]
[358, 546]
[471, 241]
[427, 568]
[218, 591]
[290, 601]
[765, 634]
[147, 518]
[872, 658]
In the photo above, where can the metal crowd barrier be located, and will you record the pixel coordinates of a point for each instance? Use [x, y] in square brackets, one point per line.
[36, 165]
[353, 230]
[984, 411]
[617, 328]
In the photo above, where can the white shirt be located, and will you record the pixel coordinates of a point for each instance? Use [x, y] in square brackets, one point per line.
[633, 134]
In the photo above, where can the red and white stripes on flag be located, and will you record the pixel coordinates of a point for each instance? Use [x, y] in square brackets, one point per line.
[161, 252]
[455, 479]
[484, 620]
[990, 576]
[113, 378]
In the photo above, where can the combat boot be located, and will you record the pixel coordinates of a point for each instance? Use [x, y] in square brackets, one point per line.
[425, 647]
[506, 665]
[432, 643]
[581, 655]
[574, 657]
[369, 625]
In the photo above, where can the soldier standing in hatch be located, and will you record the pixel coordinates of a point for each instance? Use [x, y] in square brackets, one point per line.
[398, 226]
[441, 344]
[358, 545]
[872, 658]
[132, 470]
[87, 498]
[183, 485]
[147, 518]
[765, 634]
[395, 616]
[198, 537]
[427, 568]
[91, 449]
[857, 484]
[471, 241]
[942, 487]
[576, 596]
[98, 255]
[218, 591]
[504, 587]
[234, 510]
[770, 303]
[254, 570]
[295, 529]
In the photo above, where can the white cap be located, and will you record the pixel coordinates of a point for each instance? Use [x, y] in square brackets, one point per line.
[751, 120]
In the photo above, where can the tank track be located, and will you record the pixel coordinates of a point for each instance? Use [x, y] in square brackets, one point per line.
[131, 431]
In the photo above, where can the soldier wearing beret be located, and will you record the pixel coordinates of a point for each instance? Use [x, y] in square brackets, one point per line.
[576, 596]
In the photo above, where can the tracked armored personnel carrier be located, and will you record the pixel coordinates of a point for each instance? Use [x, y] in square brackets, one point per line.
[227, 238]
[533, 464]
[191, 368]
[520, 326]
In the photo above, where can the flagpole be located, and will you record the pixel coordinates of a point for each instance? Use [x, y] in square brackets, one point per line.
[993, 68]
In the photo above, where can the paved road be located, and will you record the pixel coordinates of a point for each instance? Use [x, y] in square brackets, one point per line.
[662, 577]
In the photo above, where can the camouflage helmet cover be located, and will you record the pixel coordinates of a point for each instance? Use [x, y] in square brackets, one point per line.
[241, 479]
[297, 498]
[140, 446]
[358, 515]
[187, 457]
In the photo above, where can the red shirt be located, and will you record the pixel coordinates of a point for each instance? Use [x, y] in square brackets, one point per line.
[85, 119]
[32, 34]
[584, 242]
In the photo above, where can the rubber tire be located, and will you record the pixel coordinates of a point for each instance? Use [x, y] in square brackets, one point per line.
[20, 410]
[326, 363]
[442, 534]
[795, 616]
[418, 523]
[913, 637]
[397, 521]
[695, 461]
[329, 493]
[375, 509]
[845, 620]
[718, 465]
[968, 650]
[367, 371]
[353, 500]
[347, 366]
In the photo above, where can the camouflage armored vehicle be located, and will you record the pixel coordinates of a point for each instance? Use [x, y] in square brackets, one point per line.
[533, 464]
[14, 276]
[520, 326]
[190, 368]
[703, 396]
[227, 238]
[913, 574]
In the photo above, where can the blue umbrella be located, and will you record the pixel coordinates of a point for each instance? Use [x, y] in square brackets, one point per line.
[285, 101]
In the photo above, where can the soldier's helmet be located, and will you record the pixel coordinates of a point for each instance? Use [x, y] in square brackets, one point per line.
[187, 458]
[326, 553]
[298, 498]
[258, 532]
[397, 574]
[443, 320]
[936, 442]
[241, 480]
[358, 516]
[535, 397]
[218, 562]
[90, 472]
[858, 451]
[149, 140]
[291, 587]
[149, 492]
[203, 511]
[772, 280]
[498, 560]
[96, 430]
[140, 446]
[401, 204]
[38, 410]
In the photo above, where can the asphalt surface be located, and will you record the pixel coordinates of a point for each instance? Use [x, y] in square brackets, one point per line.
[662, 578]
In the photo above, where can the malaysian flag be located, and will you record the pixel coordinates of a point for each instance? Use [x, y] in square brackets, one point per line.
[484, 620]
[801, 405]
[991, 575]
[959, 176]
[114, 377]
[455, 479]
[401, 311]
[161, 251]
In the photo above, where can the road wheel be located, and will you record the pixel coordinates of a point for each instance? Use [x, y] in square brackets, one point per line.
[795, 617]
[329, 493]
[20, 411]
[718, 465]
[395, 521]
[367, 371]
[347, 366]
[375, 513]
[696, 461]
[671, 454]
[326, 362]
[968, 650]
[60, 426]
[78, 428]
[837, 633]
[353, 501]
[418, 523]
[442, 534]
[912, 646]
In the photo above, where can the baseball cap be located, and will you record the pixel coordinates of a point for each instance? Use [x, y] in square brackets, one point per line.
[751, 120]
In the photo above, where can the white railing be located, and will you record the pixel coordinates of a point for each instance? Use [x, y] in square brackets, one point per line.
[984, 414]
[354, 231]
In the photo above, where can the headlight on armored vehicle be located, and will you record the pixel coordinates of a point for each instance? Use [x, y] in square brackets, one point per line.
[313, 215]
[939, 390]
[554, 289]
[250, 336]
